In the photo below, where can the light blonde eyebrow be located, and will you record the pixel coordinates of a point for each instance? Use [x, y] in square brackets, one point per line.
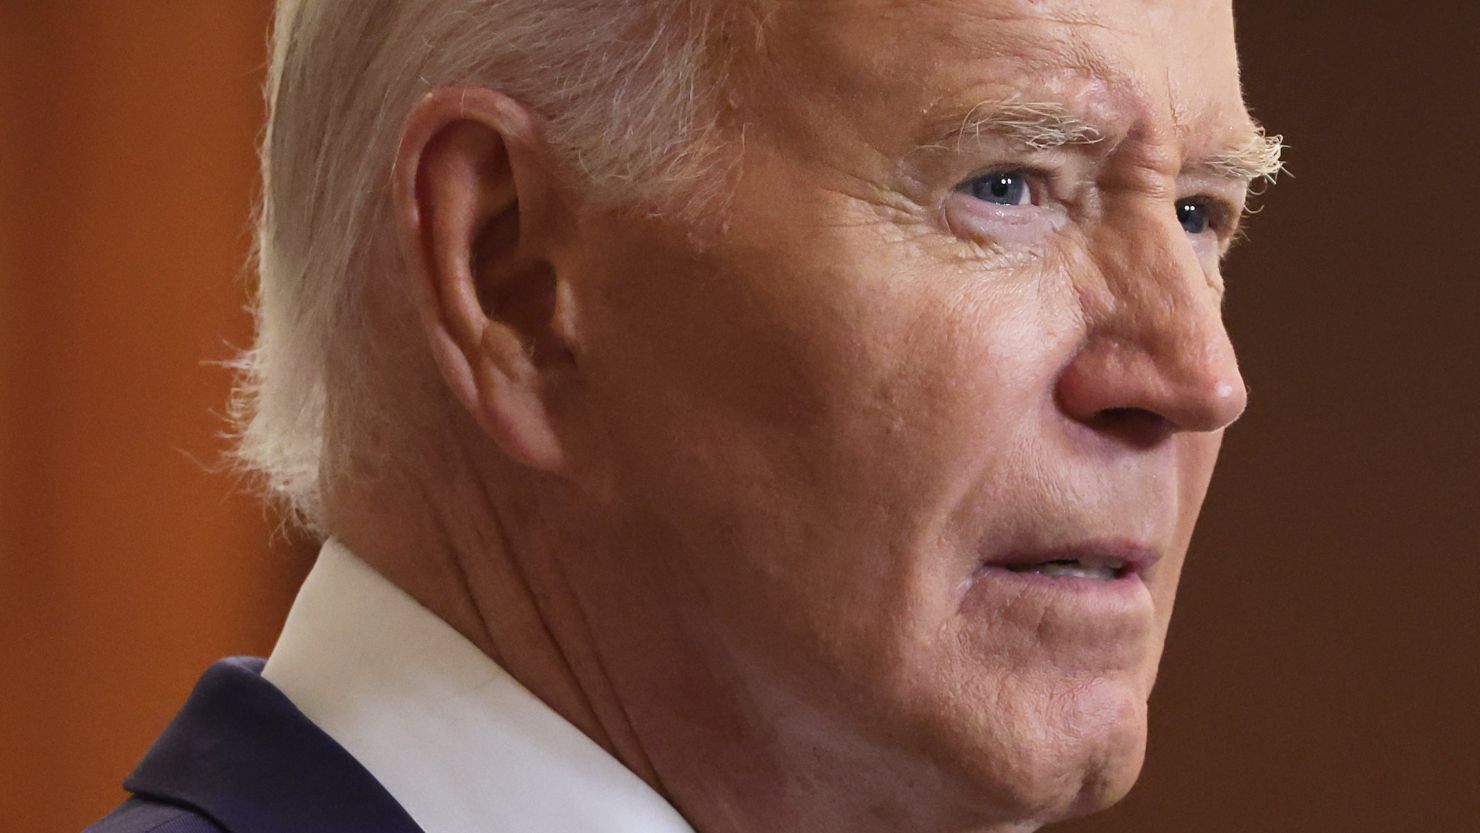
[1257, 157]
[1043, 125]
[1035, 124]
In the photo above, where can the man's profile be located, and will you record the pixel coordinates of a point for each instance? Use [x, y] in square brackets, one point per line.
[733, 417]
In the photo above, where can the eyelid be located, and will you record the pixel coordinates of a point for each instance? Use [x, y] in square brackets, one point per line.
[1227, 197]
[1223, 216]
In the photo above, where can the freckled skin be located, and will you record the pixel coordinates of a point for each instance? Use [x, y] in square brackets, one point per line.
[801, 436]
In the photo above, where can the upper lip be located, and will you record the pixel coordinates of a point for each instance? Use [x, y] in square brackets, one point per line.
[1130, 557]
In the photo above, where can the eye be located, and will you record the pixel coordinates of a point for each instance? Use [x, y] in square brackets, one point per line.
[1002, 188]
[1195, 215]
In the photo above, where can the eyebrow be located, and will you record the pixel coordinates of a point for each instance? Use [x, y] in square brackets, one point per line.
[1256, 157]
[1044, 125]
[1038, 125]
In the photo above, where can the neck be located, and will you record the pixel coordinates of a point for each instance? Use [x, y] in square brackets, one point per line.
[481, 555]
[495, 584]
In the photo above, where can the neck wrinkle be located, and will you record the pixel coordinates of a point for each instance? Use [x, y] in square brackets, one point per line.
[567, 671]
[463, 553]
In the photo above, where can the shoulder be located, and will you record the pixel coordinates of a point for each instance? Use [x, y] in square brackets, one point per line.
[240, 757]
[141, 815]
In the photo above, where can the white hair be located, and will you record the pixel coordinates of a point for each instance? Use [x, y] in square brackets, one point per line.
[628, 89]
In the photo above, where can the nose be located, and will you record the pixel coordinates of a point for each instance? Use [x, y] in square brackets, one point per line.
[1156, 358]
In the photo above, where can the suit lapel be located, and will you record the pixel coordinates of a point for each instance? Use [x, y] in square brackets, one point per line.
[242, 754]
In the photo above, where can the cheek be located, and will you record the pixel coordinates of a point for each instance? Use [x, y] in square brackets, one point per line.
[808, 425]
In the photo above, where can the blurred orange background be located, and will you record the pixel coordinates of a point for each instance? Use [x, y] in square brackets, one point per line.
[1324, 667]
[127, 173]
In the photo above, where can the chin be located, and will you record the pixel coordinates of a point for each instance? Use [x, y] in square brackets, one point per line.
[1046, 757]
[1106, 779]
[1093, 746]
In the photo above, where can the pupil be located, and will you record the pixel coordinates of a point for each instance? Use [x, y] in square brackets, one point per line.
[1002, 186]
[1193, 216]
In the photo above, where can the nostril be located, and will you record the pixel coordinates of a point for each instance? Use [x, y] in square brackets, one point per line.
[1136, 426]
[1126, 388]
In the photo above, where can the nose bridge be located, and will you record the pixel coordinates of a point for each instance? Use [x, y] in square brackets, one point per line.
[1160, 298]
[1156, 340]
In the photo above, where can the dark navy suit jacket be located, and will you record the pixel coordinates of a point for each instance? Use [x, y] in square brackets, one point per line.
[240, 758]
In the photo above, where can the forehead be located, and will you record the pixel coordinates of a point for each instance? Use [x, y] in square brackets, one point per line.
[1159, 65]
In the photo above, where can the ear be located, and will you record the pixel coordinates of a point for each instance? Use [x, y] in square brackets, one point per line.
[476, 207]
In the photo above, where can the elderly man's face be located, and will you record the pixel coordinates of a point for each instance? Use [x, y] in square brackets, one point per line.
[898, 471]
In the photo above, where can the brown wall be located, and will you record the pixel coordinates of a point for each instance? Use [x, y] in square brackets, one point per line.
[1322, 673]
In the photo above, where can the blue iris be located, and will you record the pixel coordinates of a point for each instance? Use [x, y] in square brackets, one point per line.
[1194, 215]
[1004, 188]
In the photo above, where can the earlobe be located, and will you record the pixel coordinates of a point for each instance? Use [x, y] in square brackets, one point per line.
[471, 188]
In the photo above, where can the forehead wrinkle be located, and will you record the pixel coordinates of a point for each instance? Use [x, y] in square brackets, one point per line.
[1020, 79]
[1065, 48]
[1102, 110]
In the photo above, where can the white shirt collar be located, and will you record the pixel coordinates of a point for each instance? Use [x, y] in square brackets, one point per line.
[450, 735]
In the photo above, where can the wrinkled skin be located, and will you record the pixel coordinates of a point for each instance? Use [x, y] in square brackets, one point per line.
[753, 500]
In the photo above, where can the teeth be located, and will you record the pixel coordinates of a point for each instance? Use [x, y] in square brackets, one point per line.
[1094, 569]
[1075, 570]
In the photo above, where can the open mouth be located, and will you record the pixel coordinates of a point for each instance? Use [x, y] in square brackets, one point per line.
[1094, 569]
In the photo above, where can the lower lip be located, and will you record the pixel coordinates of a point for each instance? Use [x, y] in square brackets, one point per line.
[1124, 597]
